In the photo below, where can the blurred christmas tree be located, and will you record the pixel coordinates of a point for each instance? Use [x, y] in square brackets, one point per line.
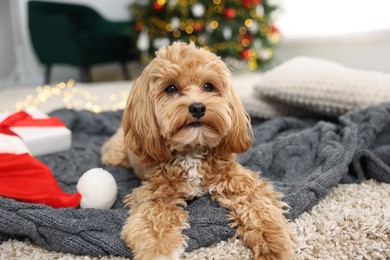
[236, 30]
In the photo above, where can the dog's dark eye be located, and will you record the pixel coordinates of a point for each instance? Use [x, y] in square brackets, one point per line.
[171, 89]
[208, 87]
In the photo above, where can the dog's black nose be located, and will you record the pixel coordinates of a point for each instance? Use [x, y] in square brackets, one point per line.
[197, 110]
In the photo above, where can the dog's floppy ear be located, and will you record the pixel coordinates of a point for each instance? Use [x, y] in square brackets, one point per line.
[140, 126]
[239, 137]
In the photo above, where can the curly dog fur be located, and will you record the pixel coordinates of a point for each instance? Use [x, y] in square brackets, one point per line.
[181, 127]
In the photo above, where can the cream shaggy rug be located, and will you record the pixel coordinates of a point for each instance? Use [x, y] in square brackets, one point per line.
[352, 222]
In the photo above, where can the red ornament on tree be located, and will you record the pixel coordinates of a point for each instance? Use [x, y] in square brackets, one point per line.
[197, 27]
[273, 29]
[138, 27]
[250, 3]
[157, 6]
[230, 13]
[246, 36]
[245, 54]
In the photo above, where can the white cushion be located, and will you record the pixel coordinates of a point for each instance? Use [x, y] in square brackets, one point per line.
[323, 87]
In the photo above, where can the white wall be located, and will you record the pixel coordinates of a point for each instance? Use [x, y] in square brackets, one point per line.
[7, 59]
[355, 33]
[116, 10]
[318, 18]
[367, 51]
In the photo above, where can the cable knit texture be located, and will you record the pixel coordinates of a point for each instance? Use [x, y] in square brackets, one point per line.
[304, 158]
[323, 87]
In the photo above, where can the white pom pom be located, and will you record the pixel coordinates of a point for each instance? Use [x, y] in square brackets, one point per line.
[98, 189]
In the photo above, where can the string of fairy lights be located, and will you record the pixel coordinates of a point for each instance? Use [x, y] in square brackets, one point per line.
[69, 95]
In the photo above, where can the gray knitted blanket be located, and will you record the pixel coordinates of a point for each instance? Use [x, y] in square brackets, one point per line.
[304, 158]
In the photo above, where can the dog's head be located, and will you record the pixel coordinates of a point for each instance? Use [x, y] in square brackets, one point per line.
[184, 100]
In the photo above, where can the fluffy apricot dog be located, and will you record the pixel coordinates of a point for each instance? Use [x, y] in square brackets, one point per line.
[182, 125]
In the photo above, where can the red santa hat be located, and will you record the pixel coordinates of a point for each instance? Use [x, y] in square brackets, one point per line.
[25, 178]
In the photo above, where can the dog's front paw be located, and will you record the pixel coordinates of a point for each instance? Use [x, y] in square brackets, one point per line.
[154, 255]
[154, 230]
[271, 246]
[152, 249]
[151, 256]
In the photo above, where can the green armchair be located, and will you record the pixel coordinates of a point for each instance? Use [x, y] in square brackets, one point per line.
[77, 35]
